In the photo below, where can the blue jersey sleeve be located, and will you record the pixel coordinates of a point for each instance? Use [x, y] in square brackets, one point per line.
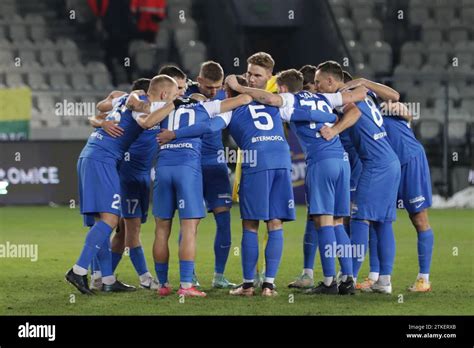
[201, 128]
[303, 115]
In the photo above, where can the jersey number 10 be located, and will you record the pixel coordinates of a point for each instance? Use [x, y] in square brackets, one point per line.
[175, 118]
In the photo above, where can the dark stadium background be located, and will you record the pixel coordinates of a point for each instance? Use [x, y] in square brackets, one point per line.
[55, 52]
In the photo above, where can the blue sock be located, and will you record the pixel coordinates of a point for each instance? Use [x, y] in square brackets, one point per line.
[249, 254]
[310, 245]
[95, 266]
[327, 242]
[186, 269]
[116, 257]
[273, 252]
[344, 244]
[161, 270]
[95, 238]
[105, 259]
[385, 246]
[425, 250]
[138, 260]
[359, 241]
[373, 250]
[222, 242]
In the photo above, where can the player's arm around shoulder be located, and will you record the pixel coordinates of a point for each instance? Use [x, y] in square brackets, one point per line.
[107, 104]
[259, 95]
[386, 93]
[396, 109]
[351, 116]
[158, 112]
[230, 104]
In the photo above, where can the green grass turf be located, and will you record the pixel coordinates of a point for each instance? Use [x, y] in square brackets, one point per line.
[38, 288]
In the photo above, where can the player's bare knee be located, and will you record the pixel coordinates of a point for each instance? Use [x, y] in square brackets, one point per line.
[250, 225]
[110, 219]
[420, 220]
[274, 224]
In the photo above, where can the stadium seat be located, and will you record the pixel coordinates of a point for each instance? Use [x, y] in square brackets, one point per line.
[146, 58]
[459, 178]
[37, 32]
[467, 15]
[94, 66]
[14, 79]
[430, 131]
[178, 14]
[163, 38]
[17, 32]
[380, 57]
[191, 62]
[195, 46]
[184, 35]
[69, 57]
[364, 70]
[346, 26]
[362, 11]
[444, 14]
[36, 80]
[457, 132]
[101, 81]
[65, 44]
[431, 33]
[418, 95]
[48, 56]
[339, 11]
[457, 33]
[418, 15]
[467, 105]
[412, 54]
[59, 81]
[80, 81]
[26, 56]
[6, 57]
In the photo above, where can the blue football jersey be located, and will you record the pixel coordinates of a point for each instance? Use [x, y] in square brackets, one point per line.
[211, 142]
[106, 148]
[316, 147]
[144, 149]
[258, 131]
[401, 138]
[186, 150]
[369, 136]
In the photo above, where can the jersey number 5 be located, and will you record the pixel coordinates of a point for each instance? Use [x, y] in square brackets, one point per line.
[256, 115]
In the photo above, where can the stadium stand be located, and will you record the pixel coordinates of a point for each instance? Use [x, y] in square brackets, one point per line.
[431, 62]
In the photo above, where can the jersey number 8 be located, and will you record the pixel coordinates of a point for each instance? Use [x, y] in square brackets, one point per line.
[378, 119]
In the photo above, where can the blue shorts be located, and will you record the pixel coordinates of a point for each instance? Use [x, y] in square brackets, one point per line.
[216, 185]
[356, 171]
[267, 195]
[415, 184]
[375, 198]
[178, 187]
[135, 192]
[99, 189]
[327, 187]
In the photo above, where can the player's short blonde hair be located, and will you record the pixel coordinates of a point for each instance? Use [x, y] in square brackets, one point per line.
[291, 78]
[161, 81]
[262, 59]
[212, 71]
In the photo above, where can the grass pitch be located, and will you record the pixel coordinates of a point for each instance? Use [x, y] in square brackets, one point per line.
[39, 288]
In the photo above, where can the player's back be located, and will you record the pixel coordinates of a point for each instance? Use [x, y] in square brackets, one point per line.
[401, 138]
[369, 136]
[144, 149]
[106, 148]
[185, 151]
[258, 128]
[317, 148]
[211, 142]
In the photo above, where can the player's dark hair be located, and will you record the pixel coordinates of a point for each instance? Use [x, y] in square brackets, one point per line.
[308, 72]
[291, 78]
[172, 71]
[242, 81]
[347, 76]
[212, 71]
[333, 68]
[142, 84]
[262, 59]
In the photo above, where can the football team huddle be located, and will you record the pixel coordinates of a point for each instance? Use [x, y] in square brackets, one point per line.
[361, 158]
